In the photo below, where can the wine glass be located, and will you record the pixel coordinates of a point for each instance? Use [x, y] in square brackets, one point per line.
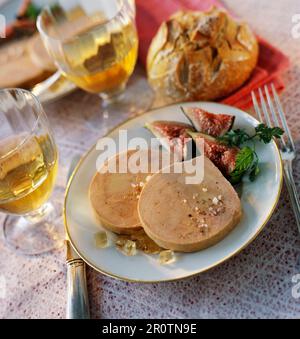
[28, 168]
[95, 45]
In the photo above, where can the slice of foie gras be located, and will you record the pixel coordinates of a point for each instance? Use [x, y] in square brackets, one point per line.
[189, 217]
[114, 196]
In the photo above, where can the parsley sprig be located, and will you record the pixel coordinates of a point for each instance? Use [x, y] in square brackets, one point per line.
[32, 11]
[247, 161]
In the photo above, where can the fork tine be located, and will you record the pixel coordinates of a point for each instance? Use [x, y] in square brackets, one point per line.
[264, 108]
[274, 115]
[256, 106]
[282, 117]
[271, 106]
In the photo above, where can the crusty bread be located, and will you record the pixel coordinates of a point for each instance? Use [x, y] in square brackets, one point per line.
[201, 56]
[39, 54]
[24, 63]
[189, 217]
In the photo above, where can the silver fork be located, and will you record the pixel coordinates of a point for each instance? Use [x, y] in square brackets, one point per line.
[272, 113]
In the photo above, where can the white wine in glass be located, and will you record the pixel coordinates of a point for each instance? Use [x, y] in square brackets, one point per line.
[95, 45]
[28, 168]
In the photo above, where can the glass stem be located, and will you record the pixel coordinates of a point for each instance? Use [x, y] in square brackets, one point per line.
[38, 215]
[112, 97]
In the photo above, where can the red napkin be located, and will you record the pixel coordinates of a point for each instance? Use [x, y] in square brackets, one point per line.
[272, 62]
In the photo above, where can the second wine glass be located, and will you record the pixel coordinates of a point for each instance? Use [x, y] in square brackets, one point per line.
[28, 169]
[95, 45]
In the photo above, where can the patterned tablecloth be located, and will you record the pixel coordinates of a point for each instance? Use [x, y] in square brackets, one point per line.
[255, 283]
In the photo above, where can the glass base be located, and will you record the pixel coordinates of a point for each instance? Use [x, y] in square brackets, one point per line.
[35, 233]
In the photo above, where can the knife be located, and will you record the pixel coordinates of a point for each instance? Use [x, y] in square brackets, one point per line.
[77, 294]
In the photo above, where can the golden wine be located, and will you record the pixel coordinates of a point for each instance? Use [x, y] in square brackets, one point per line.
[100, 62]
[28, 168]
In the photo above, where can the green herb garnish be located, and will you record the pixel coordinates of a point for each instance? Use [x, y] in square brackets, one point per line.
[32, 11]
[234, 138]
[262, 133]
[247, 161]
[266, 134]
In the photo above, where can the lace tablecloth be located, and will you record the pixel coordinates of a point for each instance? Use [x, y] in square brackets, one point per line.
[255, 283]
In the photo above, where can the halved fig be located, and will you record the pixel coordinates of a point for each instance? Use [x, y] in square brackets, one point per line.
[209, 123]
[173, 136]
[223, 156]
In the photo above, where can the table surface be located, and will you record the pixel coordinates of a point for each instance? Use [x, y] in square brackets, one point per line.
[255, 283]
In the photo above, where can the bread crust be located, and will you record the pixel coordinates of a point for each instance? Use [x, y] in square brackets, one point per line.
[201, 56]
[24, 63]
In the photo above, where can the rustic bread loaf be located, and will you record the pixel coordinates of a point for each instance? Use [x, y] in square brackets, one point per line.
[24, 63]
[201, 56]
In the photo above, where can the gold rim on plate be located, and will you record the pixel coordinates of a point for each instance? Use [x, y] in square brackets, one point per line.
[172, 279]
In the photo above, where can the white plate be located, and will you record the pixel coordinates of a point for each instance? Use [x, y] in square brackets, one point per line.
[259, 200]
